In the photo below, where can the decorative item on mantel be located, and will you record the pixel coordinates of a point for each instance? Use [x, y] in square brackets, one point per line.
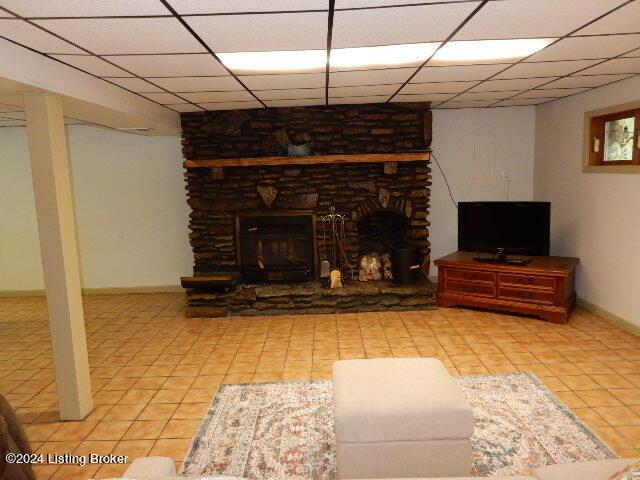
[303, 150]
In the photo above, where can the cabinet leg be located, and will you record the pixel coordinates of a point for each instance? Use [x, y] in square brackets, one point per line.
[556, 317]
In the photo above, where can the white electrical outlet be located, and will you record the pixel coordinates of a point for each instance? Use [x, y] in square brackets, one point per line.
[505, 175]
[120, 236]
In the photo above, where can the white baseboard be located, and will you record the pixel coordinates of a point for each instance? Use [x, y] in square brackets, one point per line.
[610, 317]
[99, 291]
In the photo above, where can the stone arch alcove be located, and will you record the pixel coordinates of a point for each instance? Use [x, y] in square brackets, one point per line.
[380, 230]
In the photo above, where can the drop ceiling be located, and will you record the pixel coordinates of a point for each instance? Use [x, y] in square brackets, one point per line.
[167, 51]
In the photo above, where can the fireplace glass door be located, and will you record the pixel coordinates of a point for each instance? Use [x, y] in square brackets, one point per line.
[276, 248]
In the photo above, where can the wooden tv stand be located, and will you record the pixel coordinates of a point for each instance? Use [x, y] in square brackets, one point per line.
[545, 287]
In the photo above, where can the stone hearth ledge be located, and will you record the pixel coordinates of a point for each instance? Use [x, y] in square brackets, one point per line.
[312, 297]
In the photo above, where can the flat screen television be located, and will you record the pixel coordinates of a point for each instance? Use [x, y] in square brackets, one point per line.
[520, 228]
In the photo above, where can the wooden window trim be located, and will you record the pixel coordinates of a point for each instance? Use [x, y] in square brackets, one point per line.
[594, 128]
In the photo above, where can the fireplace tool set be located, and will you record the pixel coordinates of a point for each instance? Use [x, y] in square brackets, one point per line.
[334, 256]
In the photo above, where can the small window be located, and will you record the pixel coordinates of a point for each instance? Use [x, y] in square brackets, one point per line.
[614, 141]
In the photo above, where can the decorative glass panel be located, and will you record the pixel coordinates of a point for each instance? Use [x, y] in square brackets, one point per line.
[618, 140]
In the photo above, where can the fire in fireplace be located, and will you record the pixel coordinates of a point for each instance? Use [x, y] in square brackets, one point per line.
[276, 247]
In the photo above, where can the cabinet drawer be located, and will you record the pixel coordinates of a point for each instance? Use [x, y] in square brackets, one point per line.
[526, 280]
[526, 295]
[470, 275]
[476, 289]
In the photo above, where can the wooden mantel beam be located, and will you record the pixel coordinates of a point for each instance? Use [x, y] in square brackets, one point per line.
[346, 158]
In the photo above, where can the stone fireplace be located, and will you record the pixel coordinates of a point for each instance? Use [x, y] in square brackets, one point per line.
[257, 219]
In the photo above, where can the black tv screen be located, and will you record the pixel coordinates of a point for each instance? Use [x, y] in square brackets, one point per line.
[521, 228]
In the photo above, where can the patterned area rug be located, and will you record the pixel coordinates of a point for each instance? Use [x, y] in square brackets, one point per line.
[285, 430]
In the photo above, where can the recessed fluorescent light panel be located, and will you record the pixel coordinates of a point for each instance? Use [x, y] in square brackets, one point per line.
[387, 55]
[316, 60]
[489, 50]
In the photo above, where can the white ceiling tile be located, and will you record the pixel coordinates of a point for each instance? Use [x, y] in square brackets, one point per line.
[634, 53]
[170, 65]
[486, 95]
[198, 84]
[510, 84]
[187, 7]
[551, 92]
[93, 65]
[443, 87]
[391, 26]
[186, 107]
[429, 97]
[105, 36]
[364, 90]
[296, 93]
[457, 73]
[32, 37]
[466, 104]
[295, 103]
[259, 33]
[342, 4]
[582, 48]
[522, 101]
[84, 8]
[531, 19]
[212, 97]
[288, 81]
[545, 69]
[370, 77]
[618, 65]
[355, 100]
[230, 105]
[623, 20]
[163, 97]
[577, 81]
[135, 84]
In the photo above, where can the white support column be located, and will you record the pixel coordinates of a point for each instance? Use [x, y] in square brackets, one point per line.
[56, 226]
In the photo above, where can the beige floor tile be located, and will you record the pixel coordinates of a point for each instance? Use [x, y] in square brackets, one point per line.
[631, 434]
[180, 428]
[190, 411]
[145, 430]
[618, 416]
[143, 350]
[113, 430]
[599, 398]
[158, 411]
[73, 431]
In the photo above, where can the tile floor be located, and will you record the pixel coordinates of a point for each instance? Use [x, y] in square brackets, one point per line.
[154, 371]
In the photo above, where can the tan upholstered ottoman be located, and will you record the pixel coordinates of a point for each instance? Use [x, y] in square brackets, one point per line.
[400, 418]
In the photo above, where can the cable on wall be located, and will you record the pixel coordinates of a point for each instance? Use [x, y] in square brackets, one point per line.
[445, 179]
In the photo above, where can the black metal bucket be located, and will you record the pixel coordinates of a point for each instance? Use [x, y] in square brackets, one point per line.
[405, 264]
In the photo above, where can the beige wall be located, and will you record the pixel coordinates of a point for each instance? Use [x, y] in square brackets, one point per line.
[122, 183]
[594, 216]
[134, 184]
[474, 148]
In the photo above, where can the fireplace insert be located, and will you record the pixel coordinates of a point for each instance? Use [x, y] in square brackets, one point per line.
[276, 248]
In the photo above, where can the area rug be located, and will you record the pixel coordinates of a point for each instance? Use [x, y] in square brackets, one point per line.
[285, 430]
